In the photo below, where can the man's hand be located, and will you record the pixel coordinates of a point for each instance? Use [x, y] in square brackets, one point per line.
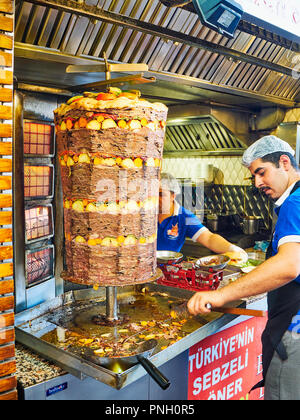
[243, 256]
[198, 303]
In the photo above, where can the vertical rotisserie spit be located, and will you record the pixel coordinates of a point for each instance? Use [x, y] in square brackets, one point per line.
[110, 149]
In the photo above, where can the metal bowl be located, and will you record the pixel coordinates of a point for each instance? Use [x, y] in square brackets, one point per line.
[214, 262]
[163, 257]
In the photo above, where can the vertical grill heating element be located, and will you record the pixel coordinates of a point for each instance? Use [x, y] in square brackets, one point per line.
[39, 265]
[38, 139]
[39, 223]
[38, 181]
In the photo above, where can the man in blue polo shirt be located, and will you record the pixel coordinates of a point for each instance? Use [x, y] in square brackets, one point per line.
[272, 163]
[175, 224]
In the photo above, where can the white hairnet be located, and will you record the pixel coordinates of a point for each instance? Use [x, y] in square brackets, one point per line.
[265, 146]
[169, 182]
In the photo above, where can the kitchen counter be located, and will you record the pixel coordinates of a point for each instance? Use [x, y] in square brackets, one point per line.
[194, 249]
[39, 379]
[172, 361]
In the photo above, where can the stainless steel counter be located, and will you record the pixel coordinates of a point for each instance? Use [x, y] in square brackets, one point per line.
[32, 324]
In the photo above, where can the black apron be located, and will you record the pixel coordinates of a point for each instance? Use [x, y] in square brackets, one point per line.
[283, 305]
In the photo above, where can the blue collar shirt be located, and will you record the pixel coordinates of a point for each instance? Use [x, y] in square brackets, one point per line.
[287, 230]
[173, 231]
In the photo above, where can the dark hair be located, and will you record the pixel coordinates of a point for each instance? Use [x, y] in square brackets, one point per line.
[275, 158]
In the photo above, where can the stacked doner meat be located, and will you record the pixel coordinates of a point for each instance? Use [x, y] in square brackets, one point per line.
[110, 150]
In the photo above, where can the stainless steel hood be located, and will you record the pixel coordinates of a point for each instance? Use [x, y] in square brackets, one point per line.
[192, 63]
[196, 136]
[290, 132]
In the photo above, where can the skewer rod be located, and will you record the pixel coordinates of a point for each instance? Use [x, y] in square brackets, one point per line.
[111, 303]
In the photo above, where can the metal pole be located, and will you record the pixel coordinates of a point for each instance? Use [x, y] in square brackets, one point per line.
[111, 303]
[18, 206]
[111, 291]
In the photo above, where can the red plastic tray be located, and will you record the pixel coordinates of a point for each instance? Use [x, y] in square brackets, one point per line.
[178, 275]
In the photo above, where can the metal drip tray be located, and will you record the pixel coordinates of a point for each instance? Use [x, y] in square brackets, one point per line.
[41, 328]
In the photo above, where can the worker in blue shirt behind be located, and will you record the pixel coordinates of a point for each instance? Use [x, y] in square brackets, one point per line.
[175, 224]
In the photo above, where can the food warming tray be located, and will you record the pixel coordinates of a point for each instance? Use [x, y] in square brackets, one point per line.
[34, 323]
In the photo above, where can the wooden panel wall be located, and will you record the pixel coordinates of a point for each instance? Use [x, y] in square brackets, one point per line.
[7, 333]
